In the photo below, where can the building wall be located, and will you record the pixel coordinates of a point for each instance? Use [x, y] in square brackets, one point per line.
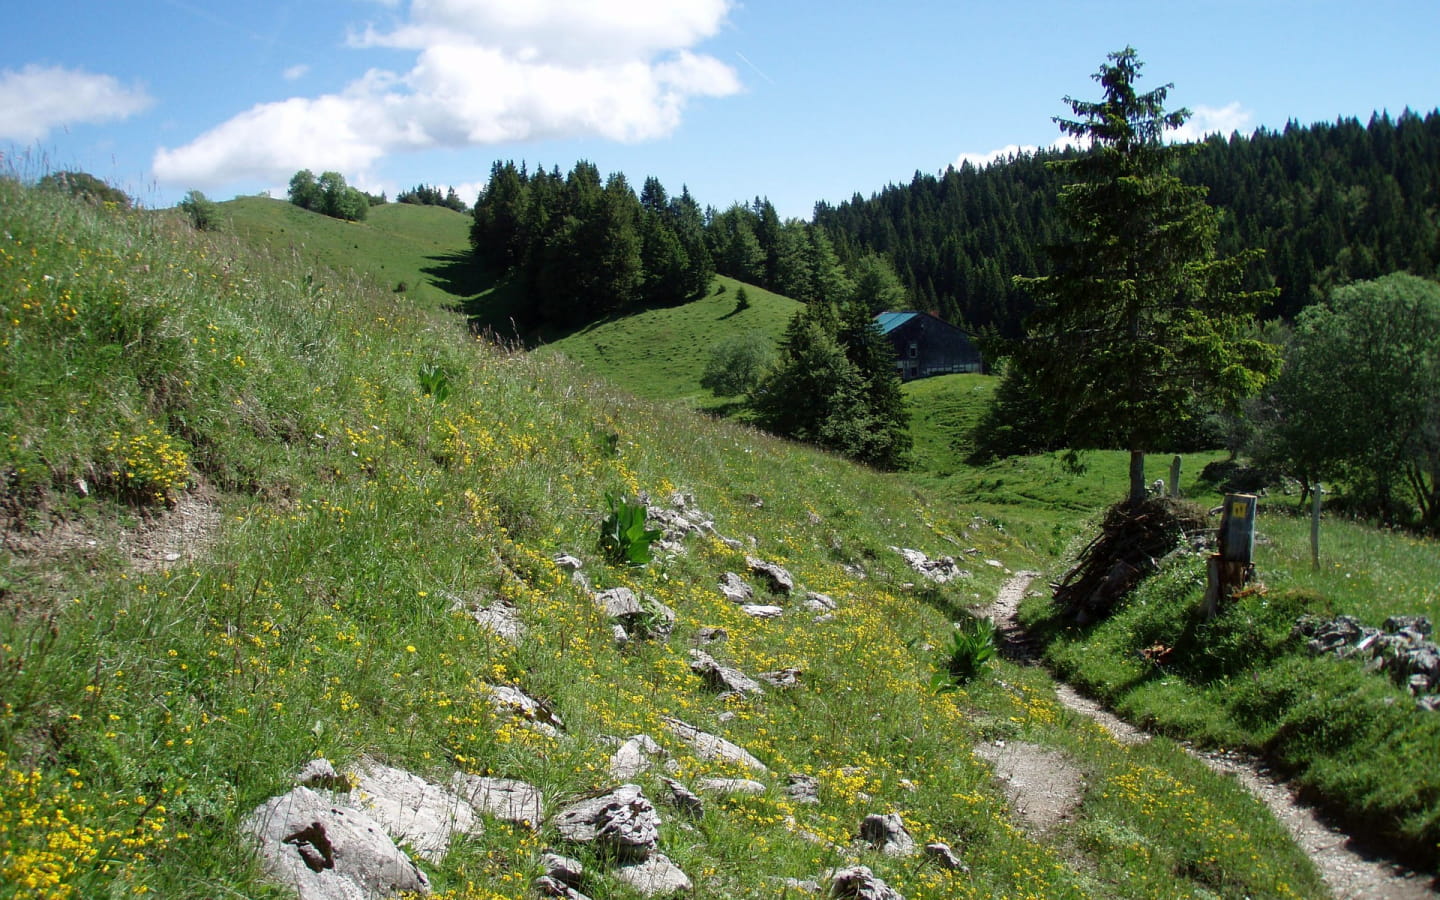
[926, 346]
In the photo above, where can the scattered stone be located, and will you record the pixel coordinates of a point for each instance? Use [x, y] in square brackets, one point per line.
[567, 563]
[805, 886]
[722, 678]
[510, 699]
[762, 611]
[706, 635]
[803, 789]
[412, 810]
[782, 678]
[502, 618]
[735, 589]
[945, 857]
[563, 868]
[504, 798]
[684, 799]
[619, 602]
[940, 570]
[730, 786]
[818, 602]
[824, 618]
[887, 834]
[779, 580]
[548, 886]
[708, 746]
[859, 883]
[635, 756]
[641, 617]
[1402, 648]
[325, 851]
[656, 876]
[1418, 624]
[622, 823]
[320, 774]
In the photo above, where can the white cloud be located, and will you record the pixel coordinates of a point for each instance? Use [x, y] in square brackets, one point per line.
[296, 72]
[37, 99]
[1204, 121]
[485, 72]
[1207, 120]
[981, 160]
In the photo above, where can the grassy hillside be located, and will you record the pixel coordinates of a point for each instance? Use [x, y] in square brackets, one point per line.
[240, 536]
[943, 412]
[421, 247]
[661, 353]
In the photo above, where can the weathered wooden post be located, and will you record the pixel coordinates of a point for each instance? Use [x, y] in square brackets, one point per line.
[1227, 570]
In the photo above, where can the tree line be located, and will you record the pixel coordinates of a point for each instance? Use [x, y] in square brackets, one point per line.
[1329, 203]
[585, 248]
[426, 195]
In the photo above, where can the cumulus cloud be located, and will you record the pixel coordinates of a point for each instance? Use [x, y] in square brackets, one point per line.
[1207, 120]
[981, 160]
[296, 72]
[484, 72]
[1204, 121]
[38, 99]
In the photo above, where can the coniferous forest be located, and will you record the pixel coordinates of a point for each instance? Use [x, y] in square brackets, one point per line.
[1329, 204]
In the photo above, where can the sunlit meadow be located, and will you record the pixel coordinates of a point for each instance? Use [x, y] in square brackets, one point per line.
[146, 708]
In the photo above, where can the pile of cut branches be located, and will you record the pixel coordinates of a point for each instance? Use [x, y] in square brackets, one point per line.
[1132, 540]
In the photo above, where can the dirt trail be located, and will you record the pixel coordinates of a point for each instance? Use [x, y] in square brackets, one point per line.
[1348, 874]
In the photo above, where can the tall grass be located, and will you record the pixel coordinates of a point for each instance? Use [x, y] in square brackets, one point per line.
[154, 707]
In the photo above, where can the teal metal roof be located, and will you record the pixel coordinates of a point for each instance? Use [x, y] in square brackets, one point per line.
[889, 321]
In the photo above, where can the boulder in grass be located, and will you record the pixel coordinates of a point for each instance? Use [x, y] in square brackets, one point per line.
[779, 580]
[859, 883]
[621, 823]
[328, 851]
[655, 876]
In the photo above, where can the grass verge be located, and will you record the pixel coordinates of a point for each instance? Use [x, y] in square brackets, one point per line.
[145, 709]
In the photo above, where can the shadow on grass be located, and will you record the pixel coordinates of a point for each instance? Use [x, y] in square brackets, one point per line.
[498, 304]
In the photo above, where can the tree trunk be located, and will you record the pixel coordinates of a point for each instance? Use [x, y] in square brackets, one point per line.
[1137, 476]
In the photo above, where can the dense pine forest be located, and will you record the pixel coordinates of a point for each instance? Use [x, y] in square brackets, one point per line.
[1329, 203]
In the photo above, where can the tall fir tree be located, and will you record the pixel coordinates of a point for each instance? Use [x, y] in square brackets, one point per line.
[1141, 326]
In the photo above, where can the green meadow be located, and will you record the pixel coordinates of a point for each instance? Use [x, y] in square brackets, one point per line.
[243, 534]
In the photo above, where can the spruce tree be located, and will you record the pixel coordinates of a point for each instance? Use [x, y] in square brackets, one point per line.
[1141, 325]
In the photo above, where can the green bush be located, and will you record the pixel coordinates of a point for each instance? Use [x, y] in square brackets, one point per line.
[435, 382]
[972, 647]
[624, 539]
[202, 211]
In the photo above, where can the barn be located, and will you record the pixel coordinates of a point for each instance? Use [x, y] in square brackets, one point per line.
[927, 345]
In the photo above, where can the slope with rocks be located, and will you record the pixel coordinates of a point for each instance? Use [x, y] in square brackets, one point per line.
[401, 572]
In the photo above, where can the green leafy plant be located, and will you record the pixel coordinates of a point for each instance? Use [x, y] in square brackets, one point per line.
[435, 382]
[972, 646]
[624, 539]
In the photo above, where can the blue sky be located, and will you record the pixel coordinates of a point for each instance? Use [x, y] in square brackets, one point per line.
[795, 100]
